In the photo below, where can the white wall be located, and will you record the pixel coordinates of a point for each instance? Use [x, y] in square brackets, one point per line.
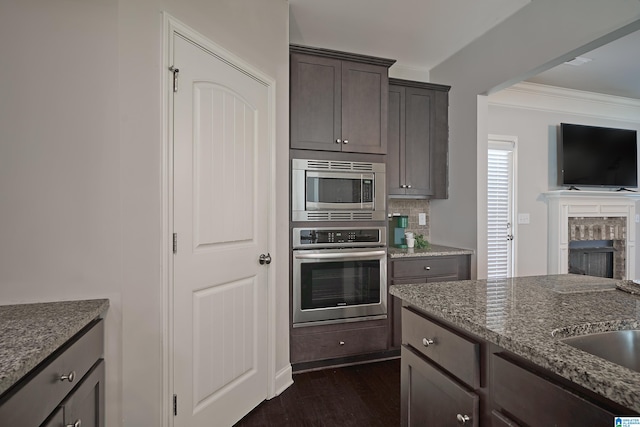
[532, 113]
[540, 35]
[80, 165]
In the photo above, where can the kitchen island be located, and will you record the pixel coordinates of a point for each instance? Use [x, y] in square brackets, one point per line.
[51, 365]
[524, 319]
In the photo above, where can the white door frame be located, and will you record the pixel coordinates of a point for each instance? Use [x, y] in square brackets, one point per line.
[172, 26]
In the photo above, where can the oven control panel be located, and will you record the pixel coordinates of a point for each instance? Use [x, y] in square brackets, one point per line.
[348, 237]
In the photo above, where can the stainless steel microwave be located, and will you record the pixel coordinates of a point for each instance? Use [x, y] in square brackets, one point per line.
[330, 190]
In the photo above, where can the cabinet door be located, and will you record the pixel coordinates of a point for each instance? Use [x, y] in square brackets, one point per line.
[316, 96]
[56, 419]
[86, 402]
[431, 398]
[395, 140]
[439, 163]
[365, 93]
[420, 132]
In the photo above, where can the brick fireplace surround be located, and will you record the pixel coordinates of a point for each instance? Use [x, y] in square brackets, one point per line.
[591, 215]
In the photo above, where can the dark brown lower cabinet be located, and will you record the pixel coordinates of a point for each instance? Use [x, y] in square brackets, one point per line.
[66, 389]
[536, 401]
[440, 385]
[84, 406]
[432, 398]
[426, 269]
[326, 342]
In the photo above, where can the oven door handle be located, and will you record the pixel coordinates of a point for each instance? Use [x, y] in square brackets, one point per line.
[343, 256]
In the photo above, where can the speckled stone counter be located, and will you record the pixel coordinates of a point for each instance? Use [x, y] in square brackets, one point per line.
[31, 332]
[433, 250]
[528, 316]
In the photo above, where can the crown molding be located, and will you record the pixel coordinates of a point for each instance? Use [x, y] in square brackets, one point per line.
[534, 96]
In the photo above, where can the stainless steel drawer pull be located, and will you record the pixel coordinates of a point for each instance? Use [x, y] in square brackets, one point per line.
[346, 141]
[462, 419]
[69, 377]
[427, 268]
[341, 342]
[427, 342]
[78, 423]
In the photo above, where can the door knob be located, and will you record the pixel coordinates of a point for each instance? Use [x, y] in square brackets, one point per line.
[265, 259]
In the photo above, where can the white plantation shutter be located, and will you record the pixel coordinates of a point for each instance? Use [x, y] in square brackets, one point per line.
[500, 209]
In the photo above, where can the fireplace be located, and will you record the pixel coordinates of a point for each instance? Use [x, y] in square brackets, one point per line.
[592, 258]
[592, 232]
[597, 246]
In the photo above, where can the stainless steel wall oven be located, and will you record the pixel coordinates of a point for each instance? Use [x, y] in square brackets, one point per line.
[339, 275]
[331, 190]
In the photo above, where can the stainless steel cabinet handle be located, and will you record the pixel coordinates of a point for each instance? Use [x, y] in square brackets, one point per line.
[264, 259]
[341, 342]
[462, 419]
[403, 186]
[427, 268]
[341, 256]
[409, 186]
[78, 423]
[338, 141]
[346, 141]
[427, 342]
[69, 377]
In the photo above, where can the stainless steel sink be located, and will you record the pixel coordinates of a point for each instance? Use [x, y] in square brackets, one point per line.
[620, 347]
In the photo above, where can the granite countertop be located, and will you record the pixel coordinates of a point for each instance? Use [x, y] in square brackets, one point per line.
[432, 250]
[29, 333]
[529, 315]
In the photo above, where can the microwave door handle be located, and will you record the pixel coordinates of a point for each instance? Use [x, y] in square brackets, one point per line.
[343, 256]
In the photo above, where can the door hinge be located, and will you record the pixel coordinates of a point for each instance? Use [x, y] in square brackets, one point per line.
[175, 405]
[175, 243]
[175, 72]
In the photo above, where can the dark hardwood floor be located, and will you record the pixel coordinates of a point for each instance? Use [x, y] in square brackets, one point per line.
[359, 395]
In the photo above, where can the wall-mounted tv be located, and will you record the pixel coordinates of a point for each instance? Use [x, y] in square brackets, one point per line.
[591, 156]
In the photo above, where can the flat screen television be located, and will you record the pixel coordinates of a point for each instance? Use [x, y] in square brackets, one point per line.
[591, 156]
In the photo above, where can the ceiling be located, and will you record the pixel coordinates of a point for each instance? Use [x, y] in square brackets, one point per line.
[614, 69]
[420, 34]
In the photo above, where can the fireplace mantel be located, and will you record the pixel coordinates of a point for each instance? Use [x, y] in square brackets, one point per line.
[565, 204]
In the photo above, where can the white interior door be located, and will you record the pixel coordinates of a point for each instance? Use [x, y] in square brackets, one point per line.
[221, 191]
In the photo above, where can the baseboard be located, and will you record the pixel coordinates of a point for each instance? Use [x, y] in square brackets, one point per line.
[284, 379]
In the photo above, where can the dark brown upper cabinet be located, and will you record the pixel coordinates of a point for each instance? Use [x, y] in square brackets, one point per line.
[418, 140]
[338, 101]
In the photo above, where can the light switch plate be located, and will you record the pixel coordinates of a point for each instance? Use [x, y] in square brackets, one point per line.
[523, 218]
[422, 218]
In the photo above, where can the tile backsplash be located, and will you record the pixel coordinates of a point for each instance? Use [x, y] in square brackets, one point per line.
[411, 208]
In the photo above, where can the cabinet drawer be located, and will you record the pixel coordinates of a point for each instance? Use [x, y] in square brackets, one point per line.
[546, 403]
[425, 267]
[328, 345]
[44, 384]
[431, 398]
[455, 353]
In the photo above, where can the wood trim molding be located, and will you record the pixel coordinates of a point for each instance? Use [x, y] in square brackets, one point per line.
[533, 96]
[336, 54]
[423, 85]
